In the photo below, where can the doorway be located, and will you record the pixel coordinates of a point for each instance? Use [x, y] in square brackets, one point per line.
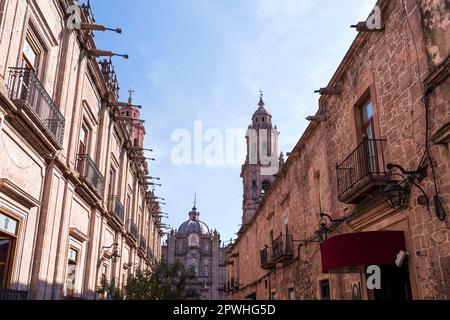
[395, 284]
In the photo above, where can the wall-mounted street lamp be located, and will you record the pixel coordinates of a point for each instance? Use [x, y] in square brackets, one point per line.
[115, 255]
[324, 232]
[396, 193]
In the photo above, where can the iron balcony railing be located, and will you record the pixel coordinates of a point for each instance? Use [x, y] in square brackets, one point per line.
[13, 295]
[266, 258]
[26, 89]
[90, 172]
[133, 230]
[282, 248]
[116, 208]
[143, 243]
[366, 160]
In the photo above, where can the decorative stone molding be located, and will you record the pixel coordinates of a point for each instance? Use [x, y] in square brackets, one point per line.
[78, 234]
[17, 193]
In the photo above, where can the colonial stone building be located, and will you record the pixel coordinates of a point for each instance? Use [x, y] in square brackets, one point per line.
[368, 183]
[75, 207]
[198, 247]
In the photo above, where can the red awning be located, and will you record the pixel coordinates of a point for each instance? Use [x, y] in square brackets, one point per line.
[351, 250]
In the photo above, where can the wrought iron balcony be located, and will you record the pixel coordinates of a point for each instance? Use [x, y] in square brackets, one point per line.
[362, 172]
[282, 249]
[143, 243]
[133, 230]
[266, 259]
[13, 295]
[116, 208]
[90, 173]
[26, 91]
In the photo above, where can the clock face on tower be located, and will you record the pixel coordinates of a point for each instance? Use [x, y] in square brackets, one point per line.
[194, 240]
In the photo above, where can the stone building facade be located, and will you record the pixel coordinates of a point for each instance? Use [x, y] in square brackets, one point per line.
[199, 248]
[75, 207]
[337, 207]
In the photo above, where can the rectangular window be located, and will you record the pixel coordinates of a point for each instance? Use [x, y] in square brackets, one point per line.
[325, 293]
[8, 224]
[83, 140]
[72, 265]
[112, 182]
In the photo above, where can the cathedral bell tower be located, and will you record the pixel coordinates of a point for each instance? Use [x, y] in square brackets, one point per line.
[135, 126]
[262, 162]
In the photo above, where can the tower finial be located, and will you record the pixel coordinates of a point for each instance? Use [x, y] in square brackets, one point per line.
[261, 101]
[130, 98]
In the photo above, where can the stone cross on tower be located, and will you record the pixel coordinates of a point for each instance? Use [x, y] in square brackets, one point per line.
[130, 97]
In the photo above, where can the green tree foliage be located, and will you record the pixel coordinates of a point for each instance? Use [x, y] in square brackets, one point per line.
[109, 290]
[161, 282]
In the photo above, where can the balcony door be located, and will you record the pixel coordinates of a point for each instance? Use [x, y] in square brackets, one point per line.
[368, 137]
[112, 182]
[367, 123]
[82, 148]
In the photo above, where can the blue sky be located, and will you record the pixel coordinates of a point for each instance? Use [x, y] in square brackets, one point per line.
[206, 60]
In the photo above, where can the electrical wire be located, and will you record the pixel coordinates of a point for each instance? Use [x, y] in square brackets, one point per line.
[425, 101]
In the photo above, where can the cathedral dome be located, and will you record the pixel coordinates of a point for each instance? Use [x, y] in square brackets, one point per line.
[193, 225]
[261, 119]
[261, 112]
